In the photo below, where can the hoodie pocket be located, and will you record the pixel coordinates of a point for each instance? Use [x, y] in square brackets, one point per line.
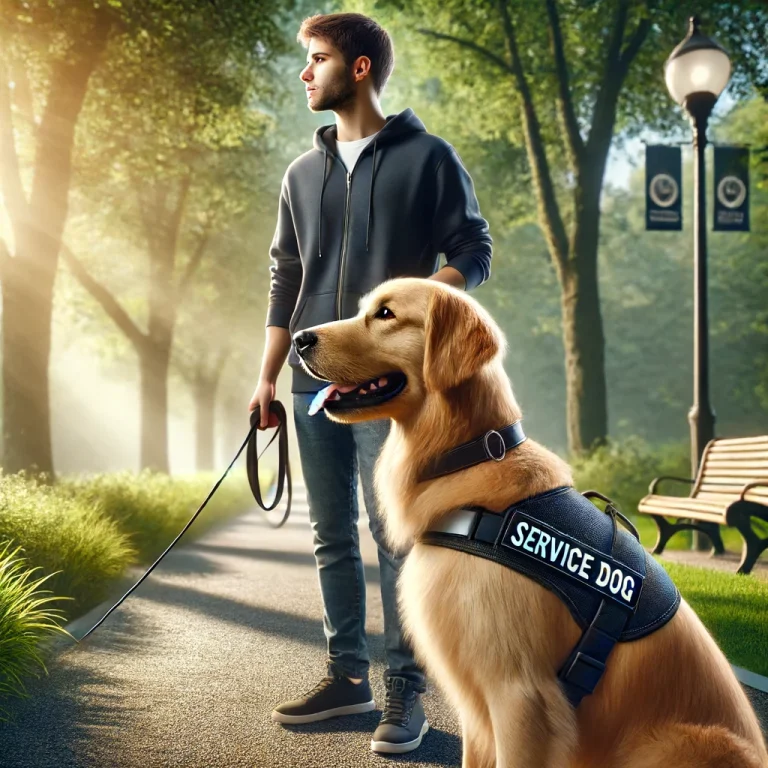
[316, 309]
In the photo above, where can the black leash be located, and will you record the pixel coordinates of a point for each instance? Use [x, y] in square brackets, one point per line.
[252, 467]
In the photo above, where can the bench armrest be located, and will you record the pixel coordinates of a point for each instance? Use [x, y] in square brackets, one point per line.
[749, 487]
[657, 480]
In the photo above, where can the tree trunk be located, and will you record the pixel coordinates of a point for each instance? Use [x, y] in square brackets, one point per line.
[154, 360]
[583, 336]
[28, 278]
[26, 326]
[205, 401]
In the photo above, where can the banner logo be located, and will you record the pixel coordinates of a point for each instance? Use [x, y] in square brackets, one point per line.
[731, 192]
[663, 190]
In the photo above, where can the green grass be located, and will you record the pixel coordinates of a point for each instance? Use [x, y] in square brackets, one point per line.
[80, 535]
[732, 607]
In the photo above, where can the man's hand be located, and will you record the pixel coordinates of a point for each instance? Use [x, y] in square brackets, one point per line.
[262, 397]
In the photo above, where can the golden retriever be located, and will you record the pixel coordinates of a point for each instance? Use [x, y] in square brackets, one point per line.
[429, 357]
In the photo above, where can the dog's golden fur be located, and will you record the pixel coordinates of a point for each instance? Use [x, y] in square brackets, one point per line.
[492, 638]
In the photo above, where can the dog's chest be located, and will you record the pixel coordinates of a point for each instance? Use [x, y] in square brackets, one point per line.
[443, 593]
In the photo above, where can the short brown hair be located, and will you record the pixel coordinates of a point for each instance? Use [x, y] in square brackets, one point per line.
[354, 35]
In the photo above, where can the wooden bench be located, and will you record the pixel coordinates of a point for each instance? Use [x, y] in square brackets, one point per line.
[731, 488]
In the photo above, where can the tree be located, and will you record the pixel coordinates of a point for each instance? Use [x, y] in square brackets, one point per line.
[209, 54]
[563, 89]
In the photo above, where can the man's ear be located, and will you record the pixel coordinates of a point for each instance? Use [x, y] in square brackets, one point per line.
[459, 341]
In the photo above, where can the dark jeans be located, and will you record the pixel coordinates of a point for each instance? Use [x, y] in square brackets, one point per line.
[331, 456]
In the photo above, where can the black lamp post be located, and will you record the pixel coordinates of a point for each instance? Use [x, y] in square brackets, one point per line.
[697, 72]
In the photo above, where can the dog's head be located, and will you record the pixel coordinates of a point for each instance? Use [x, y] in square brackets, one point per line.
[412, 338]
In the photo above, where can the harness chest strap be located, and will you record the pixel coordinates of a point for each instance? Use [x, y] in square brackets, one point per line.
[601, 591]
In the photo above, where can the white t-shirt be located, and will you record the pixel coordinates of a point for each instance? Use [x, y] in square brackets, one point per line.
[350, 150]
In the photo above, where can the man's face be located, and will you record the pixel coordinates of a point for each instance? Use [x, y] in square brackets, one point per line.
[329, 81]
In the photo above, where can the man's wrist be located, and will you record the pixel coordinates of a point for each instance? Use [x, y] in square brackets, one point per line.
[450, 276]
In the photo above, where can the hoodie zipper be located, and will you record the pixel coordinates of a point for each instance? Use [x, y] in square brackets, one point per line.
[343, 247]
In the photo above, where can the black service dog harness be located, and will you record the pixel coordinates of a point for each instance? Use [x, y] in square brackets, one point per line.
[613, 588]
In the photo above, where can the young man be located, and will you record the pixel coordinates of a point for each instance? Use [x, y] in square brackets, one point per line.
[376, 198]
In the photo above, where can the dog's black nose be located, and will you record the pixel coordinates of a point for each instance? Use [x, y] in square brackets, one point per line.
[304, 340]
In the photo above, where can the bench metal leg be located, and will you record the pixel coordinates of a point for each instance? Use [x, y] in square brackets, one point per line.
[666, 531]
[752, 546]
[713, 531]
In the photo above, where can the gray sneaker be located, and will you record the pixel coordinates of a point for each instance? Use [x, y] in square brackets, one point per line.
[403, 723]
[333, 696]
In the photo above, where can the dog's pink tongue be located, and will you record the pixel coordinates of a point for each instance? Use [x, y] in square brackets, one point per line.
[324, 395]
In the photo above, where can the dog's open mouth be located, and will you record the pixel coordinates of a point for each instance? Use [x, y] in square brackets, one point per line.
[355, 396]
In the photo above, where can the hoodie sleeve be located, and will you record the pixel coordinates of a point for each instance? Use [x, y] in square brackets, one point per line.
[459, 230]
[286, 270]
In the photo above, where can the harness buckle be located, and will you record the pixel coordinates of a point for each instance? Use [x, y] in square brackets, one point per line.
[584, 672]
[488, 451]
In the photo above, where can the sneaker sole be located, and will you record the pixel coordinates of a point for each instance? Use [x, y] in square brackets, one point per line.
[391, 748]
[352, 709]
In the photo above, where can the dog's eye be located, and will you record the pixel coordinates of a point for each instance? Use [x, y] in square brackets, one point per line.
[384, 313]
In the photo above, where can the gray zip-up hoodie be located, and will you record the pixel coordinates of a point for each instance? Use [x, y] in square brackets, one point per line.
[339, 235]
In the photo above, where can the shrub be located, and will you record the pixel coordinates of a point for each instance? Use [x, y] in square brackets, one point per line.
[623, 470]
[66, 535]
[23, 623]
[151, 508]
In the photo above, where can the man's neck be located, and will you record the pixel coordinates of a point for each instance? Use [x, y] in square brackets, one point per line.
[362, 120]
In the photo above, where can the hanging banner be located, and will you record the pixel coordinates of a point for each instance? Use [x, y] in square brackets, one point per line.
[663, 187]
[731, 189]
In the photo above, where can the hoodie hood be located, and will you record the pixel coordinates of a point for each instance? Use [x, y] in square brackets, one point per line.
[396, 126]
[324, 140]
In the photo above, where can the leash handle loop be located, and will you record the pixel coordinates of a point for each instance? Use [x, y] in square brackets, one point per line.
[284, 466]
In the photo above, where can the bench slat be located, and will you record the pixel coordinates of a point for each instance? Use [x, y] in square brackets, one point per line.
[715, 464]
[723, 458]
[737, 451]
[709, 517]
[718, 498]
[725, 441]
[730, 490]
[751, 476]
[678, 502]
[726, 482]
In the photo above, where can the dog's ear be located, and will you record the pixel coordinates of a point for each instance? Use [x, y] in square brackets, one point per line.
[459, 341]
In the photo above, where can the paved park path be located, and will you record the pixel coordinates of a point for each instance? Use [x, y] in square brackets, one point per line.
[187, 670]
